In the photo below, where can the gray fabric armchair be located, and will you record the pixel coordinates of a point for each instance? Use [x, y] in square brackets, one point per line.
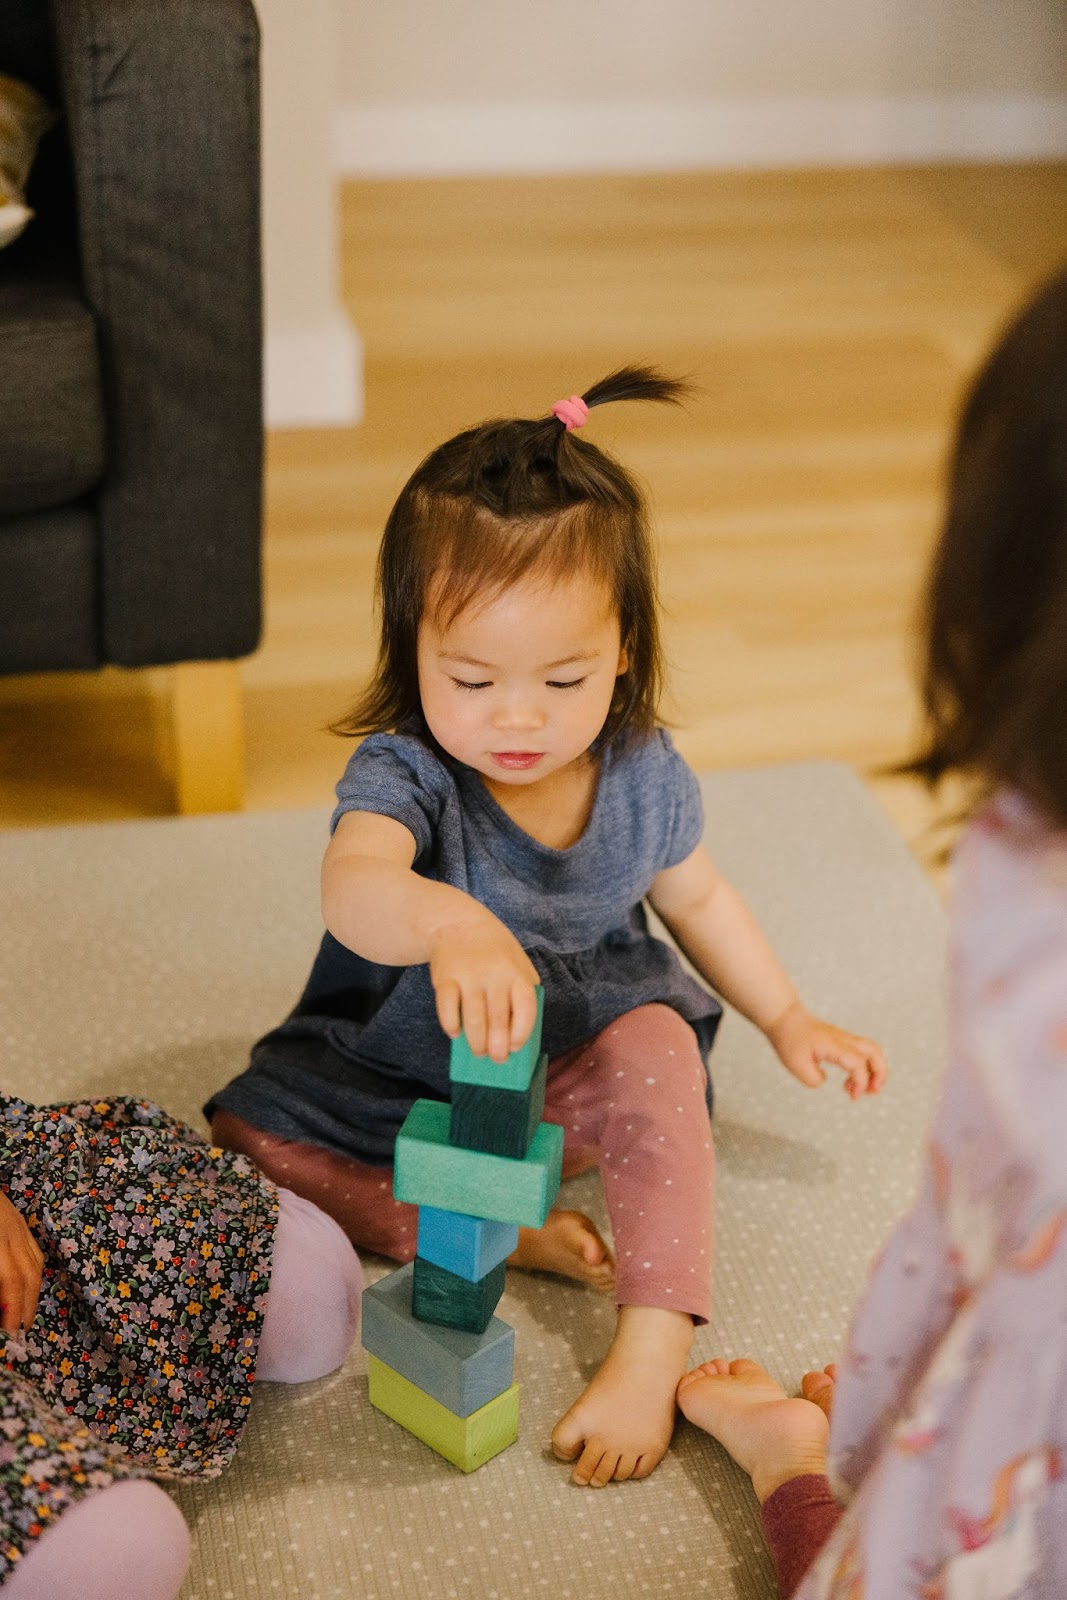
[131, 436]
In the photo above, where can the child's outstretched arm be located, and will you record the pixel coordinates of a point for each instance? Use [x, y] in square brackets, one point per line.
[374, 904]
[726, 944]
[21, 1264]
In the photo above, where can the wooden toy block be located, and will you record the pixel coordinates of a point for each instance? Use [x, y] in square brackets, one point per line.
[429, 1170]
[500, 1121]
[468, 1442]
[468, 1246]
[450, 1301]
[463, 1371]
[514, 1073]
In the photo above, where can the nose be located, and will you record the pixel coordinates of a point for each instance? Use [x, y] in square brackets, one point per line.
[519, 713]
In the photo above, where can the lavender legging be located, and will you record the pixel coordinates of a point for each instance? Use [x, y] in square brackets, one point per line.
[129, 1541]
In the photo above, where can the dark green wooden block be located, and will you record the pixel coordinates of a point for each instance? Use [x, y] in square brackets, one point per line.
[451, 1301]
[500, 1121]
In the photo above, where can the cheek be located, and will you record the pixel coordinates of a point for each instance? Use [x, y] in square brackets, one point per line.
[448, 713]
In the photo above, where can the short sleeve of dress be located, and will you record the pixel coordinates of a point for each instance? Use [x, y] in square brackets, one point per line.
[395, 775]
[678, 784]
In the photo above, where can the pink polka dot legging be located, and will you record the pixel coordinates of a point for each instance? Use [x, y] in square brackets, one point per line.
[630, 1101]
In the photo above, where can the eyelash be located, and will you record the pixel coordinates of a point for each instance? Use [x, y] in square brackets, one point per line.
[460, 683]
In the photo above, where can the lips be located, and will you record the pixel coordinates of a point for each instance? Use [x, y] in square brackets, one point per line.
[517, 760]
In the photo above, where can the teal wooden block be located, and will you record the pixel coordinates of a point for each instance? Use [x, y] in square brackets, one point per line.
[501, 1121]
[462, 1370]
[450, 1301]
[430, 1171]
[467, 1246]
[514, 1073]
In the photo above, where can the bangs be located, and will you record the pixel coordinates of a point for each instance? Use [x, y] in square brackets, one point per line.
[471, 555]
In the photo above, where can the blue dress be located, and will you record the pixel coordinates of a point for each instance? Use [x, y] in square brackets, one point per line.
[363, 1042]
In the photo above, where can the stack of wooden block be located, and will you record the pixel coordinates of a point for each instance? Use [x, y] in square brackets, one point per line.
[441, 1364]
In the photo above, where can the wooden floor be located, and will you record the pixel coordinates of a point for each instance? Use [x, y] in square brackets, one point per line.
[830, 319]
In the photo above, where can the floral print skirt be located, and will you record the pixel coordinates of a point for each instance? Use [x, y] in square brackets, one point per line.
[142, 1358]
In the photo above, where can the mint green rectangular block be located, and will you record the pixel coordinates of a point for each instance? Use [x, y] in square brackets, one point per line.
[429, 1171]
[514, 1073]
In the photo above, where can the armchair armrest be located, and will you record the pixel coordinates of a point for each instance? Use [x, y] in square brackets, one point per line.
[162, 102]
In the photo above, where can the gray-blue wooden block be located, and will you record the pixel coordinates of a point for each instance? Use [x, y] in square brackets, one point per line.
[461, 1370]
[468, 1246]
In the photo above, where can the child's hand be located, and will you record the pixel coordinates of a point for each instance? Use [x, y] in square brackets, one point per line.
[803, 1042]
[21, 1264]
[484, 984]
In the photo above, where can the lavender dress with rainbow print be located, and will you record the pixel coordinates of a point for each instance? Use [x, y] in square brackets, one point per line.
[949, 1434]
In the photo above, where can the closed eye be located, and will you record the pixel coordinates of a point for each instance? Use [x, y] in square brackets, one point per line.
[573, 683]
[461, 683]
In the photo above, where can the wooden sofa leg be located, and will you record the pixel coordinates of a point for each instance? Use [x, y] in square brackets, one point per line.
[208, 736]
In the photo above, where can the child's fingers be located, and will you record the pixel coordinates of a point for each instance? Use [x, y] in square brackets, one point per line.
[10, 1294]
[874, 1063]
[859, 1075]
[804, 1066]
[498, 1025]
[446, 997]
[34, 1286]
[474, 1017]
[523, 1012]
[877, 1066]
[10, 1307]
[18, 1296]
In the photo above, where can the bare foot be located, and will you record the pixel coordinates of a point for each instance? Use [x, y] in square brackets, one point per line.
[771, 1436]
[621, 1425]
[570, 1245]
[818, 1387]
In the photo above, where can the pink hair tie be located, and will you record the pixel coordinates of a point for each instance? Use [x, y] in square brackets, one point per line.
[572, 413]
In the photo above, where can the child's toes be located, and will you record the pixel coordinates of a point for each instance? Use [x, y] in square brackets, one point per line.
[742, 1367]
[718, 1368]
[567, 1438]
[607, 1468]
[589, 1463]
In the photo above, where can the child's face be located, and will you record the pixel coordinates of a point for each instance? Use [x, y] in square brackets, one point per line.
[520, 687]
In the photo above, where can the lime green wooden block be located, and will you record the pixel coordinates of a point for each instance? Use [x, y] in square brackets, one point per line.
[468, 1442]
[428, 1170]
[514, 1073]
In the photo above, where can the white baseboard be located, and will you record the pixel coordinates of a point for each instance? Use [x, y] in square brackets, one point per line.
[313, 378]
[394, 140]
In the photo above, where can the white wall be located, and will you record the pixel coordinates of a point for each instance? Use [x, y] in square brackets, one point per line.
[312, 355]
[473, 85]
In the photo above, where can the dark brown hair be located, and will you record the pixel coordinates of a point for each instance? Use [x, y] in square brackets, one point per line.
[994, 683]
[500, 502]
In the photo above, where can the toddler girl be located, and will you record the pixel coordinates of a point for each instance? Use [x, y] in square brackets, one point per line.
[146, 1281]
[511, 806]
[949, 1408]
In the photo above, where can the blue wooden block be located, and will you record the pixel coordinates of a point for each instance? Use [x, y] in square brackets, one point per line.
[428, 1170]
[468, 1246]
[450, 1301]
[514, 1073]
[500, 1121]
[461, 1370]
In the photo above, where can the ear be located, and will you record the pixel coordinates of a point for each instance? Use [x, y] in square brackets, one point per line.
[624, 662]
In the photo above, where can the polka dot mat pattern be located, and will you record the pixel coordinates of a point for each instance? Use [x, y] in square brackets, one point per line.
[144, 958]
